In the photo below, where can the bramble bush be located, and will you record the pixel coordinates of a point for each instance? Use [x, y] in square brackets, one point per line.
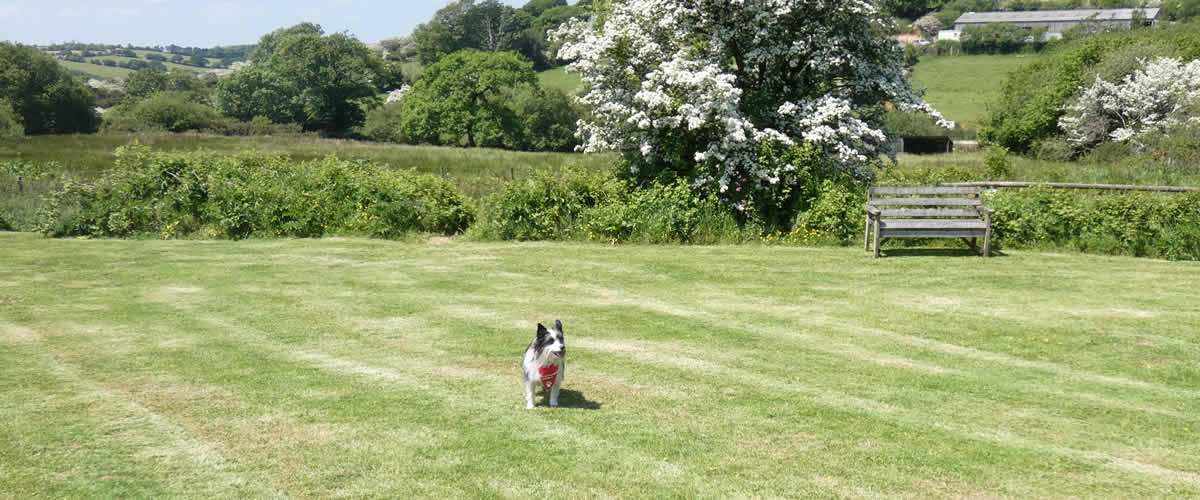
[578, 205]
[1137, 224]
[173, 195]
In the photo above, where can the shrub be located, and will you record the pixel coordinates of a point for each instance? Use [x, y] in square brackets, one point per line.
[162, 111]
[1136, 224]
[836, 212]
[547, 206]
[383, 124]
[43, 93]
[4, 225]
[996, 162]
[1034, 96]
[10, 122]
[251, 195]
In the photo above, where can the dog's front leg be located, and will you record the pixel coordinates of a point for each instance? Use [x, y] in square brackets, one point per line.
[530, 387]
[562, 371]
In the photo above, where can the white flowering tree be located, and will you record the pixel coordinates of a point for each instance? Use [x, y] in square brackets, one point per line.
[1163, 96]
[738, 93]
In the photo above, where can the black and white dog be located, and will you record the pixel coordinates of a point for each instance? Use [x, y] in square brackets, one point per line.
[544, 363]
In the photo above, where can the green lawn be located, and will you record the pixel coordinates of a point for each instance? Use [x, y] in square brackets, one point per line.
[320, 368]
[960, 87]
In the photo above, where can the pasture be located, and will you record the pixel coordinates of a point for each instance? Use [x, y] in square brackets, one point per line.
[960, 87]
[347, 367]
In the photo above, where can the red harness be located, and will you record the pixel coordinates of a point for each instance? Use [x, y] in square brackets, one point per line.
[548, 373]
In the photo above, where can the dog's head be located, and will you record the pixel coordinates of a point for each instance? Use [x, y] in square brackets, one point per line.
[550, 343]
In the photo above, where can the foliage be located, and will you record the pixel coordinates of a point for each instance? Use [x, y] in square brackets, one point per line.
[492, 26]
[836, 213]
[547, 206]
[161, 111]
[1034, 97]
[699, 91]
[996, 162]
[459, 99]
[43, 93]
[929, 25]
[144, 82]
[383, 124]
[1137, 224]
[1000, 38]
[578, 205]
[10, 122]
[298, 75]
[547, 119]
[251, 195]
[1163, 96]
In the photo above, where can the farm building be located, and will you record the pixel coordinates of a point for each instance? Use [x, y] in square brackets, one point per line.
[1058, 21]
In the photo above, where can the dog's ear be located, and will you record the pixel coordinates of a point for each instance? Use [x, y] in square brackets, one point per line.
[541, 332]
[558, 326]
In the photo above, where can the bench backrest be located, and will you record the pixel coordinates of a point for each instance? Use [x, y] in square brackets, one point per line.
[935, 201]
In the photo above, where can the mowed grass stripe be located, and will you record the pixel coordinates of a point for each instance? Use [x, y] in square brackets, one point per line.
[400, 360]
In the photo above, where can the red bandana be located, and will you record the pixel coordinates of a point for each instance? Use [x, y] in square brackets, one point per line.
[548, 373]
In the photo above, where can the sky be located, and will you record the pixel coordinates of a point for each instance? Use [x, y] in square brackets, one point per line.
[204, 23]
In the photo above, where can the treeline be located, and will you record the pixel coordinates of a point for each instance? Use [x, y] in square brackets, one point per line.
[488, 26]
[231, 52]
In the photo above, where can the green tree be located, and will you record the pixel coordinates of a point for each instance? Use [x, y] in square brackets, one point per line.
[460, 98]
[299, 75]
[43, 93]
[10, 122]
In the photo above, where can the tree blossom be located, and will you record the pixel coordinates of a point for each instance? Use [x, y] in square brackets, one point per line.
[1164, 95]
[707, 87]
[398, 94]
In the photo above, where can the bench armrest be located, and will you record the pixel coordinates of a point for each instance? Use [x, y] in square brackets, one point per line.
[984, 209]
[872, 210]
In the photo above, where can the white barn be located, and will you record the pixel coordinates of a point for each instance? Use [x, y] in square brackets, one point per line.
[1058, 21]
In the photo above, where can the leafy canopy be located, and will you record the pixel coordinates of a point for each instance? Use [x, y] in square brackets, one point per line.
[460, 98]
[43, 93]
[299, 75]
[713, 90]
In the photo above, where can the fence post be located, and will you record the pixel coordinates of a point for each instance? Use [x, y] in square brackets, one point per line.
[20, 185]
[511, 177]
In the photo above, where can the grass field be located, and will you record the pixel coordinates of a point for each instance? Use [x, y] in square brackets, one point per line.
[558, 78]
[118, 73]
[477, 172]
[318, 368]
[960, 87]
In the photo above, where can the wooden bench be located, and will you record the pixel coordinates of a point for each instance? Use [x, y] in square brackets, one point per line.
[928, 212]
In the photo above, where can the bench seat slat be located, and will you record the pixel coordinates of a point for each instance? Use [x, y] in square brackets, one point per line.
[925, 190]
[928, 212]
[929, 202]
[934, 233]
[932, 224]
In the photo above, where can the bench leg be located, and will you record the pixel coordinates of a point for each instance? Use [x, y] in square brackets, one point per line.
[876, 239]
[987, 235]
[867, 235]
[971, 243]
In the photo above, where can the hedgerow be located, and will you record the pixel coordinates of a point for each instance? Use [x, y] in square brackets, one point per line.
[174, 195]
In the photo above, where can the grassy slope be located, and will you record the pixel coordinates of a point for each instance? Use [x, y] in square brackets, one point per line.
[961, 86]
[317, 368]
[117, 73]
[558, 78]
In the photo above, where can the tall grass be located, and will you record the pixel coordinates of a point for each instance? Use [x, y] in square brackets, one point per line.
[969, 166]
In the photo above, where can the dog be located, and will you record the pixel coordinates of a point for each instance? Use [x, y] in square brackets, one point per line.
[545, 363]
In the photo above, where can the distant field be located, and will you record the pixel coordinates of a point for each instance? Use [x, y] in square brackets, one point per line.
[558, 78]
[118, 73]
[960, 87]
